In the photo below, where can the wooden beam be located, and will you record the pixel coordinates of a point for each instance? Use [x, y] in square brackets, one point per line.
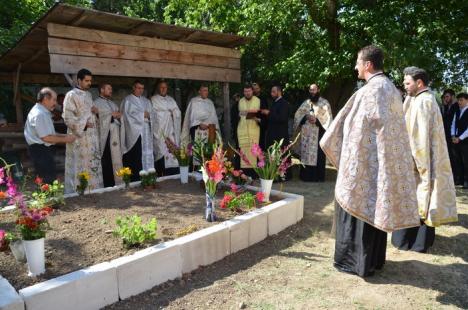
[39, 53]
[17, 97]
[138, 29]
[79, 19]
[134, 68]
[94, 49]
[59, 79]
[91, 35]
[227, 113]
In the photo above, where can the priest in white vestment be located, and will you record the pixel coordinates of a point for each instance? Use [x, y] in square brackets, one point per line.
[136, 134]
[168, 123]
[83, 155]
[435, 187]
[109, 136]
[200, 114]
[311, 120]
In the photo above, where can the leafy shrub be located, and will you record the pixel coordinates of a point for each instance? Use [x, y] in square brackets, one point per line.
[133, 232]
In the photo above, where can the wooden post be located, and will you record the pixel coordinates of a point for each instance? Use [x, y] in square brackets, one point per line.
[69, 80]
[227, 113]
[17, 97]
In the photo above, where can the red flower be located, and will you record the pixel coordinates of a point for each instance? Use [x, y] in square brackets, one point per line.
[45, 187]
[38, 180]
[3, 195]
[260, 196]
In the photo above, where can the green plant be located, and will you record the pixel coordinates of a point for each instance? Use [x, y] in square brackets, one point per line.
[133, 232]
[47, 194]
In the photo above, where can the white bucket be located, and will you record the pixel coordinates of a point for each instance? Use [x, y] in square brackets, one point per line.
[35, 256]
[265, 185]
[184, 174]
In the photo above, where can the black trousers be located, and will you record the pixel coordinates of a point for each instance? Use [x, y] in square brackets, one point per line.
[107, 167]
[161, 170]
[44, 161]
[359, 247]
[418, 239]
[132, 159]
[460, 154]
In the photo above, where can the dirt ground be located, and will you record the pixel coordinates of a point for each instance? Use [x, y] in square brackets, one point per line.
[81, 233]
[293, 270]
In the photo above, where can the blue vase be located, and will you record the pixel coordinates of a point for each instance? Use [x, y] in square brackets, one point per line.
[210, 214]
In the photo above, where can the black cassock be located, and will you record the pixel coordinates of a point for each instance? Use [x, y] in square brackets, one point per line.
[263, 122]
[360, 248]
[418, 239]
[132, 159]
[315, 173]
[106, 163]
[278, 123]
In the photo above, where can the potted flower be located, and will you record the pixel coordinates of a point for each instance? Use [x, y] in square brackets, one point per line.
[271, 164]
[148, 178]
[182, 153]
[83, 179]
[237, 177]
[213, 171]
[126, 174]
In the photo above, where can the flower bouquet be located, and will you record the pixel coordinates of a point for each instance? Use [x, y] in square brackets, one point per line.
[182, 153]
[270, 164]
[126, 174]
[238, 177]
[32, 225]
[83, 179]
[213, 171]
[148, 178]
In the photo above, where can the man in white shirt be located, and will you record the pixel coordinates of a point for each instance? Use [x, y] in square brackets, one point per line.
[459, 138]
[40, 135]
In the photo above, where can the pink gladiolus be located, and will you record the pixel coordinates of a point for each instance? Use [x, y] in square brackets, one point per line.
[256, 150]
[244, 158]
[261, 164]
[2, 234]
[236, 173]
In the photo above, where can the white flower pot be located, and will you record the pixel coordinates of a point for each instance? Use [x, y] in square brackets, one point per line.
[17, 249]
[35, 256]
[265, 185]
[184, 174]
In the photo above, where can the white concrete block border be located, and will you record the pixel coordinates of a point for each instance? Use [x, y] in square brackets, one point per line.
[105, 283]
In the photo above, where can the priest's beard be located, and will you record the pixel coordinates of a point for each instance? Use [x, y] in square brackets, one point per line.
[314, 98]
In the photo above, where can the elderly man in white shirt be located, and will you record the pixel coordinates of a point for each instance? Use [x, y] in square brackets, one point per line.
[40, 135]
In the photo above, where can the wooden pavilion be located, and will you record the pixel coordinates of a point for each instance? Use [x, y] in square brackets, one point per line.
[116, 49]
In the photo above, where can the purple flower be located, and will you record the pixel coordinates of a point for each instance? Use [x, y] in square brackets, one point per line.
[256, 150]
[36, 217]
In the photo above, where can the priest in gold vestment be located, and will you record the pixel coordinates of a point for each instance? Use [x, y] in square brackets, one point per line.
[248, 129]
[435, 186]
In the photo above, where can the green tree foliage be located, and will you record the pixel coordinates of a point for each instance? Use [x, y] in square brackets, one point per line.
[296, 42]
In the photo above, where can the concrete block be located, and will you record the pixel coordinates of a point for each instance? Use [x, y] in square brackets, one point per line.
[9, 298]
[90, 288]
[239, 233]
[300, 208]
[258, 228]
[147, 268]
[281, 214]
[204, 247]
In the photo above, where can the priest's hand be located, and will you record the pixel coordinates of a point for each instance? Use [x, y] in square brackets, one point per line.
[117, 115]
[147, 116]
[89, 125]
[455, 140]
[265, 111]
[94, 110]
[203, 126]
